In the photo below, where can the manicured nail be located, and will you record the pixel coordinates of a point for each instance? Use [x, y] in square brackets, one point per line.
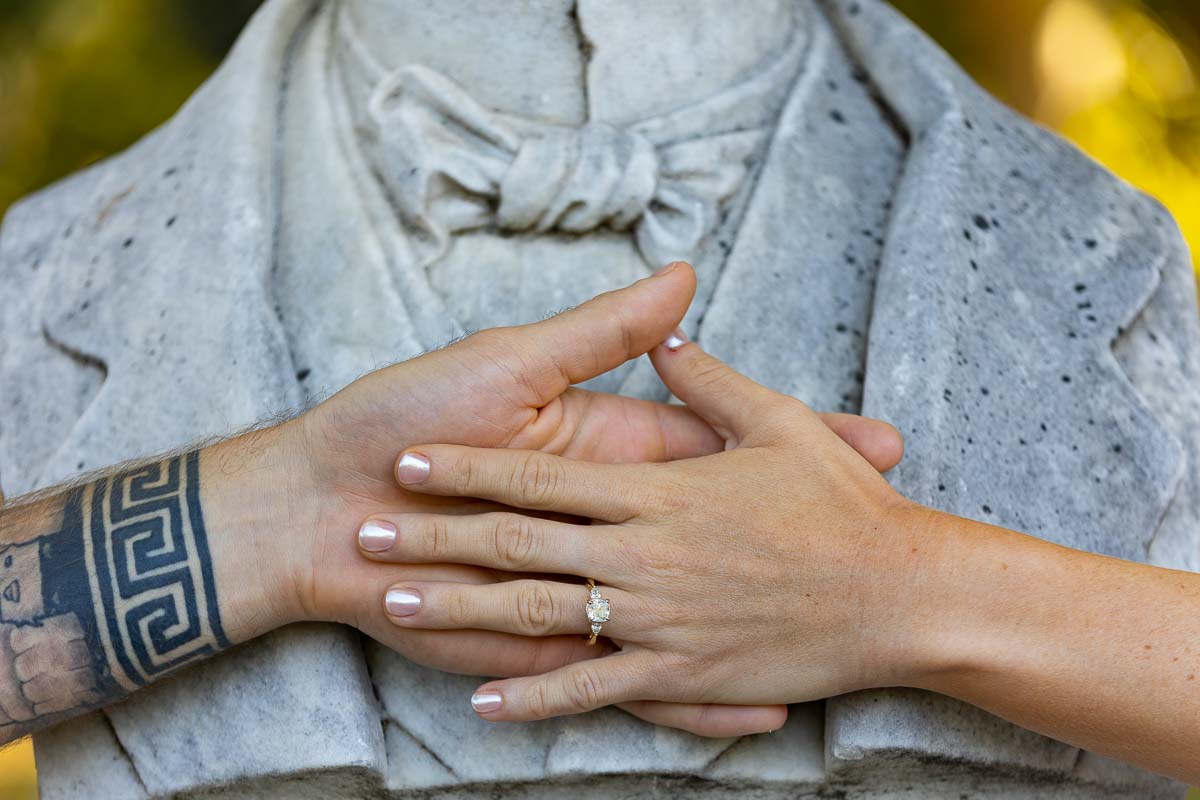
[484, 702]
[664, 270]
[375, 535]
[676, 340]
[402, 602]
[413, 468]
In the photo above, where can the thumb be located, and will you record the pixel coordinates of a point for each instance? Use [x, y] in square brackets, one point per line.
[598, 335]
[729, 401]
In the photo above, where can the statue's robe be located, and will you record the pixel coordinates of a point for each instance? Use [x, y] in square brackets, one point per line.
[905, 244]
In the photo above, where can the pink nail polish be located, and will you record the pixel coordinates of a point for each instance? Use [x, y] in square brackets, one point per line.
[676, 340]
[402, 602]
[413, 468]
[484, 702]
[376, 535]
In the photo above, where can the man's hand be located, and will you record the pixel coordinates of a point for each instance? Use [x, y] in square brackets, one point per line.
[507, 387]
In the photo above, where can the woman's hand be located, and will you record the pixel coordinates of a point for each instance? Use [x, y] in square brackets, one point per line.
[774, 572]
[786, 569]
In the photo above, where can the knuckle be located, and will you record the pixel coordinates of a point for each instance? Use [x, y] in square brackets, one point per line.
[515, 539]
[502, 356]
[437, 539]
[583, 689]
[458, 609]
[535, 609]
[536, 480]
[785, 408]
[537, 700]
[708, 372]
[466, 477]
[626, 327]
[788, 417]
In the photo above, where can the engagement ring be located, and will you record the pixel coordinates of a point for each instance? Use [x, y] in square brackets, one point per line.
[597, 609]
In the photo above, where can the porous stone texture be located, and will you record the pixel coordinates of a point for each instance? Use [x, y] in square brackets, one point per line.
[1000, 368]
[872, 231]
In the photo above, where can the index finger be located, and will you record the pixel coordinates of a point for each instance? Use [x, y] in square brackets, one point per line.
[527, 479]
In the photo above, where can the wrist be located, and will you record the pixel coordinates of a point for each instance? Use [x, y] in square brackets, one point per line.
[905, 597]
[260, 508]
[978, 606]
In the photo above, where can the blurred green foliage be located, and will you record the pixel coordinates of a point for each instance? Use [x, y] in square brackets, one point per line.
[81, 79]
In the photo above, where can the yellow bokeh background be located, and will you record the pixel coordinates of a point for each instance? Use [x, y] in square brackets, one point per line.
[17, 778]
[81, 79]
[1120, 78]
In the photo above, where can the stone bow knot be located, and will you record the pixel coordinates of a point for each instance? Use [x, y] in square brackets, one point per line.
[452, 165]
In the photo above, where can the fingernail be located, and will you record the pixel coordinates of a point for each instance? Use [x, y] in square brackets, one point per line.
[664, 270]
[413, 468]
[484, 702]
[375, 535]
[676, 340]
[402, 602]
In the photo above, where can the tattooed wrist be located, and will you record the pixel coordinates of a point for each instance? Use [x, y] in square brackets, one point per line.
[108, 585]
[144, 536]
[103, 588]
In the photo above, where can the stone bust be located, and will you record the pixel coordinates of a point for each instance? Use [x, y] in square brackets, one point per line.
[361, 181]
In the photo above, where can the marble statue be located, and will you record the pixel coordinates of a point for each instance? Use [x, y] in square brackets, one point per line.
[364, 180]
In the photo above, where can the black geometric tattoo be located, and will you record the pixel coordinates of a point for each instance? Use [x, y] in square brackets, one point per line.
[147, 543]
[119, 594]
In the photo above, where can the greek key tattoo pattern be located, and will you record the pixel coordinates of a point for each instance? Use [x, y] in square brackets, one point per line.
[116, 590]
[153, 575]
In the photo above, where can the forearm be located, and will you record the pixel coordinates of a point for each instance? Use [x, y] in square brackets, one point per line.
[1094, 651]
[108, 585]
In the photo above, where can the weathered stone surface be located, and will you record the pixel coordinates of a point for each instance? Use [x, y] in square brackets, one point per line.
[1012, 263]
[892, 235]
[308, 680]
[1159, 354]
[795, 301]
[83, 758]
[115, 363]
[550, 749]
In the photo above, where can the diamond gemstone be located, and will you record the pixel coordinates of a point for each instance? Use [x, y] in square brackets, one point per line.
[597, 609]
